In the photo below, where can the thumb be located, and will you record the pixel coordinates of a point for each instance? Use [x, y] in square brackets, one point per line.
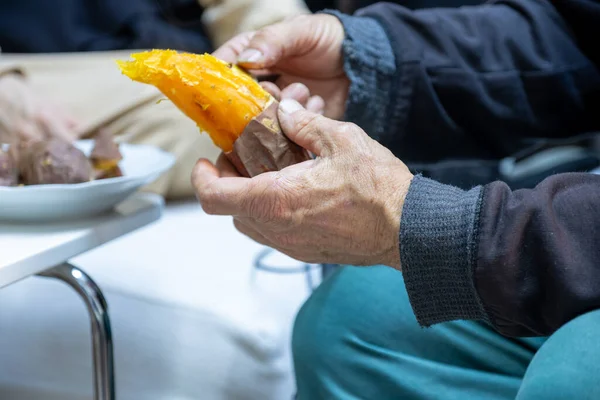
[274, 43]
[204, 174]
[309, 130]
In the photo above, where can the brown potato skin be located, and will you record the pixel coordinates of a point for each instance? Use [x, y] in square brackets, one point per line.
[105, 148]
[263, 146]
[105, 156]
[52, 162]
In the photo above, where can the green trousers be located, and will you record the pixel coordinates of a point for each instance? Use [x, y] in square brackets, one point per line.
[357, 338]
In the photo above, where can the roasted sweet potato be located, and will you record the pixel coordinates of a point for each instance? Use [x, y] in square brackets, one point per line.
[105, 156]
[53, 161]
[224, 101]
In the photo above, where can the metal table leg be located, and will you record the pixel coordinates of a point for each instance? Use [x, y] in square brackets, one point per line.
[102, 345]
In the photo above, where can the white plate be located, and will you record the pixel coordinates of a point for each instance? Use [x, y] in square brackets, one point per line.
[141, 165]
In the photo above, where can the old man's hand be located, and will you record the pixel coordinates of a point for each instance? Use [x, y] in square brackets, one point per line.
[342, 207]
[305, 53]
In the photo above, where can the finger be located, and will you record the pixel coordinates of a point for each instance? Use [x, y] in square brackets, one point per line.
[62, 114]
[316, 104]
[274, 43]
[252, 233]
[217, 195]
[54, 126]
[68, 119]
[230, 51]
[261, 75]
[27, 130]
[273, 89]
[296, 91]
[307, 129]
[226, 168]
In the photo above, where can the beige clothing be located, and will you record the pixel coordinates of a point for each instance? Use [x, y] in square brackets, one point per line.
[226, 18]
[94, 91]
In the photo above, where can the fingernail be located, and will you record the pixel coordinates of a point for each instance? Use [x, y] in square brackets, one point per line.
[251, 56]
[289, 106]
[298, 89]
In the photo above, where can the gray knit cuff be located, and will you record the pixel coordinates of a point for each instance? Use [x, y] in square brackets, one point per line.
[370, 65]
[438, 251]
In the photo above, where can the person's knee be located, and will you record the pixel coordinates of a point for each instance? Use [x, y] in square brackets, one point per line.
[352, 307]
[317, 329]
[566, 366]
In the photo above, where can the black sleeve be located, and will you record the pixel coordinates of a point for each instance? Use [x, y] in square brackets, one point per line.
[480, 80]
[527, 261]
[538, 263]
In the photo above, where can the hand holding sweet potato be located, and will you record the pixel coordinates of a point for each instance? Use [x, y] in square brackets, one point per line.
[343, 207]
[306, 49]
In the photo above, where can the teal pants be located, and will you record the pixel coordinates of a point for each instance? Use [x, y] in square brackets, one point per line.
[357, 338]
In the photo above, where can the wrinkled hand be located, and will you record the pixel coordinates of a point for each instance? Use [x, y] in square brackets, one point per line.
[342, 207]
[24, 114]
[306, 49]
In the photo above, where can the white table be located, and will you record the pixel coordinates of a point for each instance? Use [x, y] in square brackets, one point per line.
[45, 250]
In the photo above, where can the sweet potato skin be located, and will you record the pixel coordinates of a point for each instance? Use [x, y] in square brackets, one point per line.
[263, 146]
[53, 161]
[105, 156]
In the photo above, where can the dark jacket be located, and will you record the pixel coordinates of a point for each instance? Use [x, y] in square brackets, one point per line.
[350, 6]
[42, 26]
[485, 81]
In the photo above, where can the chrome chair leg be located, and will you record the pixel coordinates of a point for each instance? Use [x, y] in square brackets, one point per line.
[102, 345]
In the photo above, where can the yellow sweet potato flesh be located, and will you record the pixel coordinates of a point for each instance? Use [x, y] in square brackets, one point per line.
[219, 97]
